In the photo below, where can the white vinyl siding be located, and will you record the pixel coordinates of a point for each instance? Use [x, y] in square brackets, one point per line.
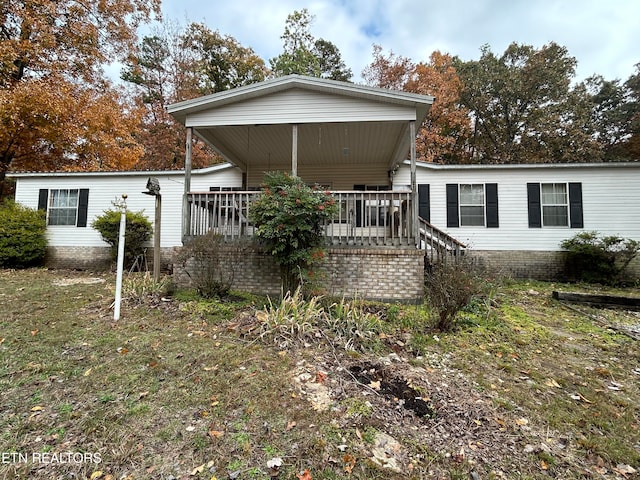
[63, 207]
[605, 187]
[300, 106]
[554, 200]
[472, 205]
[107, 187]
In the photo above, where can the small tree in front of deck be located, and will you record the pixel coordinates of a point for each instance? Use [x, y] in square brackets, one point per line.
[289, 217]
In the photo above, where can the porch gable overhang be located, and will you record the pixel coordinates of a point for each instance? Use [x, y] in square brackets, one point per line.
[338, 122]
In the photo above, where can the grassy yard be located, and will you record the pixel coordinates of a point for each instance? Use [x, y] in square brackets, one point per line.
[243, 389]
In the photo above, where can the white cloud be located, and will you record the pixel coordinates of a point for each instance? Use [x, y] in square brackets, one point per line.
[603, 36]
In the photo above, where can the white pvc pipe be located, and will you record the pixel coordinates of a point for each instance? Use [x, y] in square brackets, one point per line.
[123, 222]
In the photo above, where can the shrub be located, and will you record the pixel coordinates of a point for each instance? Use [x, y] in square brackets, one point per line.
[595, 259]
[289, 217]
[450, 286]
[23, 241]
[138, 231]
[209, 266]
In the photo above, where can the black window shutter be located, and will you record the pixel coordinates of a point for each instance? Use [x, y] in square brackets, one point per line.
[43, 197]
[491, 191]
[424, 202]
[533, 201]
[575, 205]
[452, 205]
[83, 204]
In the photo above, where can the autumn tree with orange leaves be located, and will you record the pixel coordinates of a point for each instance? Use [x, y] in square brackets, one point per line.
[57, 111]
[443, 136]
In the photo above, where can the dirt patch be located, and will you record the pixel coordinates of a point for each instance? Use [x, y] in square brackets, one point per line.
[393, 386]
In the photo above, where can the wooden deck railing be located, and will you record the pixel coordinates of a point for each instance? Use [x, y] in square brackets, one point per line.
[364, 218]
[439, 246]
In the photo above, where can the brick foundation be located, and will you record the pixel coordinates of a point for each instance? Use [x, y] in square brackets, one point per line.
[96, 258]
[528, 264]
[392, 275]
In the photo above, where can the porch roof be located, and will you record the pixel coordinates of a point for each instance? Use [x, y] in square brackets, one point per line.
[338, 122]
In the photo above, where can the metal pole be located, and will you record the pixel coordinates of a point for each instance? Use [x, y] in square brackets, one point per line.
[123, 223]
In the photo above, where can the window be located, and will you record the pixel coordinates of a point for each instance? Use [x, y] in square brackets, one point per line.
[65, 206]
[555, 204]
[472, 205]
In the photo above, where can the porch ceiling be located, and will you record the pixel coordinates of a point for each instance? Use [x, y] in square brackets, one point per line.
[318, 143]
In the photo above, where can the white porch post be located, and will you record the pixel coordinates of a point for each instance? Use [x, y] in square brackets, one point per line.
[294, 150]
[414, 184]
[186, 211]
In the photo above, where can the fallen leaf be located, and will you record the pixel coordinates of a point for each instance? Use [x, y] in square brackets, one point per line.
[143, 395]
[552, 383]
[290, 425]
[190, 428]
[349, 462]
[1, 340]
[275, 462]
[306, 475]
[198, 470]
[321, 377]
[459, 457]
[544, 465]
[215, 433]
[624, 470]
[580, 397]
[37, 408]
[358, 433]
[87, 372]
[522, 421]
[123, 350]
[34, 332]
[95, 475]
[375, 385]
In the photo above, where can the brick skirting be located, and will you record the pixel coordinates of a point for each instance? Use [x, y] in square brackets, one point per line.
[392, 275]
[95, 258]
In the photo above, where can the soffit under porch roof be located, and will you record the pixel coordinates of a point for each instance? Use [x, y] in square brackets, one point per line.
[327, 144]
[338, 122]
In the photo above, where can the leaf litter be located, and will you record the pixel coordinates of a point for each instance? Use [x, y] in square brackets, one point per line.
[410, 415]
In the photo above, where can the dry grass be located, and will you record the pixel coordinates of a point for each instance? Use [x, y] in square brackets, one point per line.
[190, 389]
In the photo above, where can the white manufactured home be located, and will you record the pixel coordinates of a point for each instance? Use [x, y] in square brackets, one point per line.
[358, 142]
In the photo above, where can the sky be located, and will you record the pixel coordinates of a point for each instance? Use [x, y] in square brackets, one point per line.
[603, 35]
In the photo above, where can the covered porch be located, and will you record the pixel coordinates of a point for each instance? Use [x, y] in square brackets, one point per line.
[346, 139]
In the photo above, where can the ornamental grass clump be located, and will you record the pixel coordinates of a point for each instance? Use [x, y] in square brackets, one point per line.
[289, 217]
